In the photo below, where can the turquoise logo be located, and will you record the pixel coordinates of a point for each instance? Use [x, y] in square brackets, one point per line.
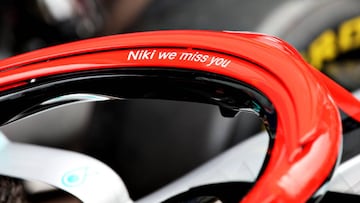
[75, 177]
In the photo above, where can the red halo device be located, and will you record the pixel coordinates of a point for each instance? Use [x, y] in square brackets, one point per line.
[296, 102]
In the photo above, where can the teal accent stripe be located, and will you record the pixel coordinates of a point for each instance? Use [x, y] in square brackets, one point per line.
[3, 141]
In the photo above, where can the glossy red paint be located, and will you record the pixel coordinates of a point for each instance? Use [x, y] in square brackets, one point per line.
[308, 136]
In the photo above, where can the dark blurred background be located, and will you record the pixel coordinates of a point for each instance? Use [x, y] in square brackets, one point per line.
[31, 24]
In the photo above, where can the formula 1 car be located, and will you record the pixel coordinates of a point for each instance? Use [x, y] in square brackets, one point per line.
[304, 113]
